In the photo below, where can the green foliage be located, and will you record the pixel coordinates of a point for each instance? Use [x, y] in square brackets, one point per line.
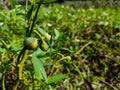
[39, 68]
[55, 78]
[82, 48]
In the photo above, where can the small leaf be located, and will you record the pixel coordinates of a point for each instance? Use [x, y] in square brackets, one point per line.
[39, 52]
[39, 68]
[43, 32]
[98, 36]
[57, 33]
[1, 50]
[14, 46]
[4, 44]
[55, 78]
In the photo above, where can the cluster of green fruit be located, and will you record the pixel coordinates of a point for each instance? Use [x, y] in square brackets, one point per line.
[32, 43]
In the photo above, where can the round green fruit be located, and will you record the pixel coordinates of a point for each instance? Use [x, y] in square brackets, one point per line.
[30, 43]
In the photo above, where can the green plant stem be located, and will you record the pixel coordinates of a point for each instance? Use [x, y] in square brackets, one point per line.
[78, 70]
[3, 82]
[53, 67]
[29, 17]
[81, 49]
[35, 17]
[39, 35]
[20, 68]
[16, 86]
[21, 64]
[19, 56]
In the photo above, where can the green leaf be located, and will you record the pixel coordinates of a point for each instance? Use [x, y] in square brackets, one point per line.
[39, 68]
[4, 44]
[43, 32]
[12, 3]
[55, 78]
[2, 16]
[1, 50]
[39, 52]
[57, 33]
[14, 46]
[98, 36]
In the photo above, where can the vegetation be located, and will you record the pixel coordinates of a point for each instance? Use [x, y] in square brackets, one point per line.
[70, 49]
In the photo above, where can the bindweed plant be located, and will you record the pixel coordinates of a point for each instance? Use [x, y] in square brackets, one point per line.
[82, 42]
[28, 66]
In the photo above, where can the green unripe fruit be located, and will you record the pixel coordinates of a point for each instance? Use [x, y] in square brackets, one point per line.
[44, 45]
[30, 43]
[47, 36]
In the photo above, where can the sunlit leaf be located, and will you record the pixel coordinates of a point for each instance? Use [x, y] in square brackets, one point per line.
[14, 46]
[39, 68]
[4, 44]
[55, 78]
[42, 31]
[57, 33]
[1, 50]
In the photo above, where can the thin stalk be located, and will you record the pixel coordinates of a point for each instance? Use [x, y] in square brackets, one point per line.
[81, 49]
[79, 72]
[3, 82]
[63, 58]
[29, 16]
[21, 64]
[39, 35]
[35, 17]
[20, 68]
[19, 56]
[16, 86]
